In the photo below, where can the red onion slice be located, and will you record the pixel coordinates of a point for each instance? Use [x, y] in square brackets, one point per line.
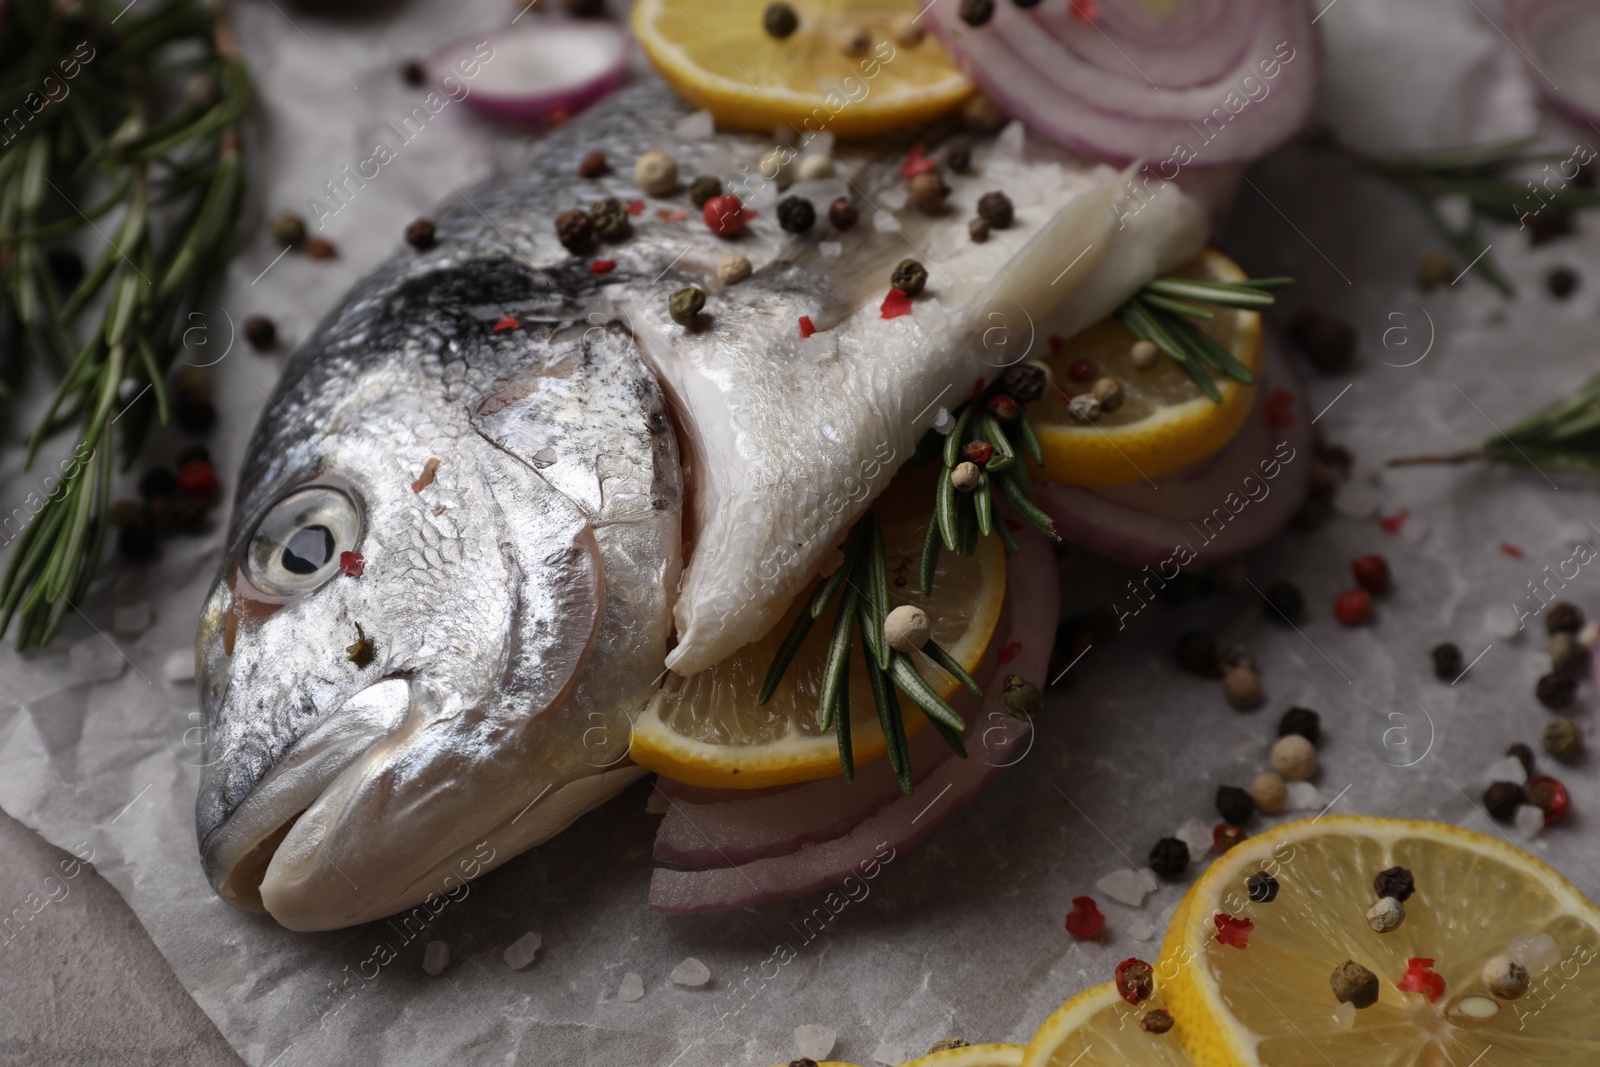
[1204, 84]
[994, 740]
[540, 72]
[1559, 40]
[1216, 508]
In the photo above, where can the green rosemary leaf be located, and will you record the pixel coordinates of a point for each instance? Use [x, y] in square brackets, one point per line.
[835, 672]
[1006, 539]
[996, 434]
[825, 591]
[1193, 311]
[932, 541]
[1030, 440]
[1219, 357]
[951, 738]
[946, 511]
[1231, 294]
[1025, 508]
[1281, 281]
[1018, 472]
[950, 663]
[958, 437]
[841, 726]
[785, 656]
[967, 525]
[889, 720]
[875, 572]
[983, 506]
[1139, 322]
[923, 695]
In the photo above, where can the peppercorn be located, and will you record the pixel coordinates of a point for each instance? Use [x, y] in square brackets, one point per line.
[574, 230]
[814, 167]
[260, 332]
[1564, 617]
[976, 12]
[1434, 270]
[966, 476]
[1502, 799]
[585, 9]
[1234, 805]
[1563, 740]
[1549, 796]
[1169, 858]
[157, 481]
[1353, 607]
[995, 209]
[1082, 370]
[704, 188]
[289, 229]
[1294, 758]
[1025, 382]
[1446, 661]
[843, 214]
[1328, 341]
[928, 191]
[1270, 793]
[1396, 882]
[1567, 656]
[1004, 408]
[123, 513]
[137, 542]
[1156, 1021]
[1524, 756]
[1109, 392]
[907, 30]
[1197, 652]
[803, 1061]
[1286, 601]
[733, 269]
[906, 628]
[853, 40]
[193, 453]
[194, 413]
[978, 230]
[1386, 915]
[724, 215]
[610, 220]
[1371, 573]
[1505, 977]
[795, 214]
[910, 277]
[958, 157]
[686, 304]
[1145, 354]
[1085, 407]
[779, 20]
[656, 173]
[413, 73]
[1262, 887]
[1302, 721]
[1242, 687]
[977, 451]
[1021, 697]
[982, 115]
[593, 165]
[1561, 281]
[321, 248]
[1224, 837]
[1354, 984]
[1556, 691]
[1136, 980]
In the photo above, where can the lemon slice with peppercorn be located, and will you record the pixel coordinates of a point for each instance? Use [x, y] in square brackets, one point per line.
[1275, 957]
[1101, 1028]
[708, 730]
[853, 67]
[971, 1056]
[1162, 421]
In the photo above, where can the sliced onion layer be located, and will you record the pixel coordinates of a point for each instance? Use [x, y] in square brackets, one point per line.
[1560, 40]
[1205, 83]
[888, 827]
[1214, 509]
[540, 72]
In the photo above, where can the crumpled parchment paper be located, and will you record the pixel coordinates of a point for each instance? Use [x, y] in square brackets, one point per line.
[963, 935]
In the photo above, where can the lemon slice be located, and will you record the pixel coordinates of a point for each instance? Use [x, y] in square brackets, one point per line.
[1097, 1028]
[707, 729]
[717, 55]
[1165, 422]
[971, 1056]
[1270, 1003]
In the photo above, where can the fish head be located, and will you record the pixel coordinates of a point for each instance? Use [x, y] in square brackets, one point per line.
[385, 655]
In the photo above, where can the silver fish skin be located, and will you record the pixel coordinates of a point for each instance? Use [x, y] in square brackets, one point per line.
[613, 493]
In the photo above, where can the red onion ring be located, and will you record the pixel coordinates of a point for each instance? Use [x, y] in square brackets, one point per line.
[1139, 525]
[1558, 40]
[540, 72]
[993, 740]
[1140, 80]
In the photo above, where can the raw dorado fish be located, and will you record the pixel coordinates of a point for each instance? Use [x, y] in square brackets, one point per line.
[499, 493]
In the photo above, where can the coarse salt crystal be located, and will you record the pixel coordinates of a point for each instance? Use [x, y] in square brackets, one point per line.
[943, 421]
[829, 249]
[1009, 144]
[1140, 930]
[1197, 835]
[521, 951]
[814, 1042]
[96, 660]
[1125, 886]
[696, 127]
[179, 666]
[820, 143]
[132, 619]
[691, 972]
[1357, 499]
[894, 198]
[657, 803]
[1344, 1016]
[436, 957]
[1501, 621]
[1509, 769]
[631, 989]
[1537, 953]
[889, 1054]
[1303, 796]
[1529, 821]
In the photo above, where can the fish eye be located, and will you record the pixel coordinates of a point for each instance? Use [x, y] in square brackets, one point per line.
[297, 544]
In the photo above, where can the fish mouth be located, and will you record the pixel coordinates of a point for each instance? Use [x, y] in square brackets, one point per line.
[238, 853]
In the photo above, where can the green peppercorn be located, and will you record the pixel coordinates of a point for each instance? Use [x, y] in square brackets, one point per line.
[289, 230]
[1354, 984]
[1021, 697]
[610, 219]
[1563, 740]
[704, 188]
[686, 304]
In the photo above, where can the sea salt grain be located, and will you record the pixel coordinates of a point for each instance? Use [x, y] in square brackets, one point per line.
[631, 989]
[1009, 144]
[1537, 953]
[1529, 821]
[179, 666]
[436, 957]
[814, 1042]
[889, 1054]
[1344, 1016]
[1502, 621]
[1140, 930]
[1509, 769]
[1303, 796]
[1197, 835]
[691, 972]
[698, 126]
[829, 249]
[96, 660]
[520, 954]
[1126, 886]
[132, 619]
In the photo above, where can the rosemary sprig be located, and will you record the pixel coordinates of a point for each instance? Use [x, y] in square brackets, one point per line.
[141, 125]
[1565, 432]
[1164, 312]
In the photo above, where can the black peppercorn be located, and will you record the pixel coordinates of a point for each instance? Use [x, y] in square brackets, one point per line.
[260, 332]
[1263, 888]
[795, 214]
[1564, 618]
[995, 209]
[1025, 382]
[66, 267]
[413, 73]
[1502, 799]
[1524, 755]
[704, 188]
[978, 230]
[1235, 805]
[1197, 652]
[803, 1061]
[1156, 1020]
[575, 230]
[1328, 341]
[958, 157]
[976, 12]
[1395, 882]
[593, 165]
[1446, 661]
[420, 235]
[194, 413]
[137, 542]
[779, 20]
[1169, 858]
[1556, 691]
[842, 213]
[157, 481]
[1548, 225]
[1302, 721]
[1561, 281]
[910, 277]
[1286, 601]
